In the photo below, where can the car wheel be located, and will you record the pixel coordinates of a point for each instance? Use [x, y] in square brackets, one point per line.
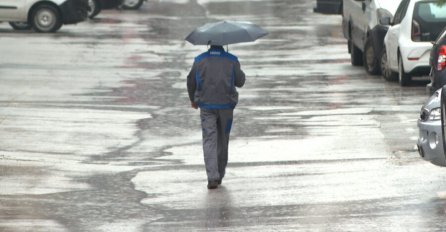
[46, 18]
[443, 117]
[355, 54]
[132, 4]
[387, 73]
[20, 26]
[95, 8]
[403, 78]
[371, 60]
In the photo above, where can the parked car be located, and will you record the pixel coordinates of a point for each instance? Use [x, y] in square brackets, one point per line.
[365, 23]
[437, 62]
[132, 4]
[431, 135]
[325, 6]
[43, 16]
[409, 40]
[96, 6]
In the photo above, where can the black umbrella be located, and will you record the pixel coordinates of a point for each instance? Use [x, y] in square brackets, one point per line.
[225, 32]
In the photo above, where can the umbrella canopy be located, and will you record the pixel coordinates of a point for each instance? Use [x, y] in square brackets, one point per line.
[225, 32]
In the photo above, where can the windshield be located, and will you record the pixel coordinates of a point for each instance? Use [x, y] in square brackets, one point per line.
[390, 5]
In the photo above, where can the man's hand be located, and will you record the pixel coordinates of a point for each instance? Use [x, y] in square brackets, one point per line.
[194, 105]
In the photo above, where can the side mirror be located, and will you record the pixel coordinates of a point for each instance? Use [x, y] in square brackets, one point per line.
[385, 17]
[386, 21]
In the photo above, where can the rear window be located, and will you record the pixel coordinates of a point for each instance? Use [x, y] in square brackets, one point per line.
[430, 18]
[431, 12]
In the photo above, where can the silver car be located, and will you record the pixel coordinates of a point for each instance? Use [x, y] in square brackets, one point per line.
[42, 15]
[430, 142]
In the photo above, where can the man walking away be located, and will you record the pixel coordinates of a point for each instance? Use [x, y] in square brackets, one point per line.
[211, 86]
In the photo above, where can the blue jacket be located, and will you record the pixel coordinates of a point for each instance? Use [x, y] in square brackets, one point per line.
[212, 80]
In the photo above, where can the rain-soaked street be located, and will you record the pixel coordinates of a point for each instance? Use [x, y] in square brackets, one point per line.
[97, 132]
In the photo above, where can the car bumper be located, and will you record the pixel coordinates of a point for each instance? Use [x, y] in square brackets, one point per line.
[74, 11]
[416, 58]
[430, 144]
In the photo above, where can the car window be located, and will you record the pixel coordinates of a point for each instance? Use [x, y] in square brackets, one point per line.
[401, 12]
[430, 11]
[429, 19]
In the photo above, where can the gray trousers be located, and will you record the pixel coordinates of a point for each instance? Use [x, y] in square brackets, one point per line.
[216, 126]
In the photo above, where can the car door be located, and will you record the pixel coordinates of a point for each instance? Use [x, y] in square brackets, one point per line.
[391, 39]
[10, 10]
[359, 23]
[365, 20]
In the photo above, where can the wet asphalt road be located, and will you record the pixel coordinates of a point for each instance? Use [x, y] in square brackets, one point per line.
[96, 132]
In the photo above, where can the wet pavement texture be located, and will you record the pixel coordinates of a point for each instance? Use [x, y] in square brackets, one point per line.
[97, 133]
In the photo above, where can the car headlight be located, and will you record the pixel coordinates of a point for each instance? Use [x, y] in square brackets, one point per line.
[435, 114]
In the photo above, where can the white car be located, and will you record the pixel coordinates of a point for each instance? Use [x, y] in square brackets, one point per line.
[409, 40]
[42, 15]
[364, 24]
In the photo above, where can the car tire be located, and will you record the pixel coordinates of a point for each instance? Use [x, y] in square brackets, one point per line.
[20, 26]
[132, 4]
[371, 59]
[386, 72]
[355, 54]
[95, 8]
[46, 18]
[403, 78]
[443, 117]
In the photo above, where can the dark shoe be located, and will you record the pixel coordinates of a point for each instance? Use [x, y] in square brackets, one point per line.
[219, 181]
[212, 184]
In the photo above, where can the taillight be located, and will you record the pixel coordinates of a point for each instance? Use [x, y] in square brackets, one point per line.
[416, 31]
[441, 64]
